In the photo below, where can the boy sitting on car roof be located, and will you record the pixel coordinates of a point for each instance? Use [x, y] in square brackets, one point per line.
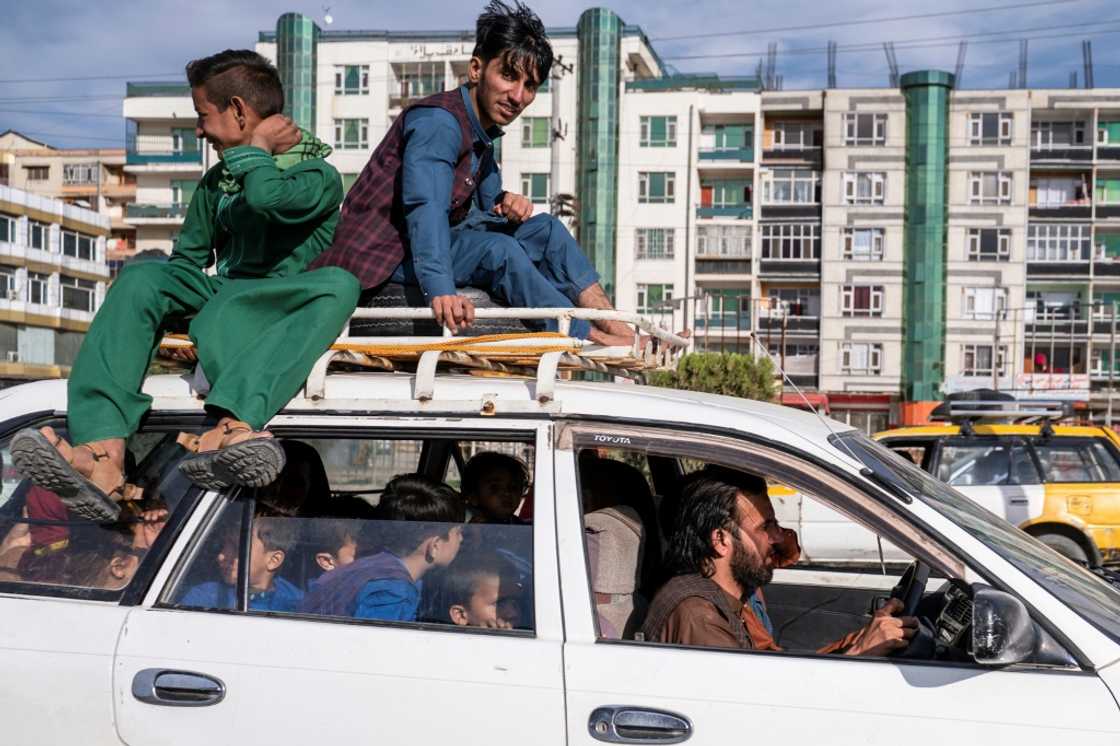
[262, 215]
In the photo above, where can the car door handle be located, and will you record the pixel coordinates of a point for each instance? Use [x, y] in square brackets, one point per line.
[627, 724]
[159, 686]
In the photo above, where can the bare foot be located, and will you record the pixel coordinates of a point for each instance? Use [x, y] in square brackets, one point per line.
[593, 296]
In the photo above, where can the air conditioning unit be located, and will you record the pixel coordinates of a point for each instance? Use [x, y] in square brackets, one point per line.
[13, 356]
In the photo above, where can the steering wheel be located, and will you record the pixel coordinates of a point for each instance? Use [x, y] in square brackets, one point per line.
[911, 586]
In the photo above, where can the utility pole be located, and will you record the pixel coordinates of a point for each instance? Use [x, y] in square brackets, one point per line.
[832, 64]
[996, 362]
[892, 63]
[559, 131]
[1111, 366]
[958, 74]
[1087, 60]
[784, 306]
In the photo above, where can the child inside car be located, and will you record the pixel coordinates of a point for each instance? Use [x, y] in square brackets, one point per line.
[274, 539]
[494, 485]
[481, 590]
[419, 530]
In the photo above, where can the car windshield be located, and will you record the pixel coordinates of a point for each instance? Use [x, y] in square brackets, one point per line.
[1090, 596]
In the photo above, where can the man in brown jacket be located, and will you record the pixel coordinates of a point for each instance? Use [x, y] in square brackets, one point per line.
[724, 549]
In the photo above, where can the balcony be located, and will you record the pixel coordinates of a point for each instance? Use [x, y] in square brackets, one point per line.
[805, 156]
[1108, 152]
[135, 157]
[1060, 322]
[794, 325]
[1076, 268]
[1059, 154]
[735, 212]
[727, 155]
[155, 214]
[794, 268]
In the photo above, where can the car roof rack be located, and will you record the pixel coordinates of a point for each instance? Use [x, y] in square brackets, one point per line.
[1008, 411]
[542, 355]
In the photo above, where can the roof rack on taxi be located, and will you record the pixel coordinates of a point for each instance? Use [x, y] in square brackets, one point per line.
[1014, 410]
[542, 355]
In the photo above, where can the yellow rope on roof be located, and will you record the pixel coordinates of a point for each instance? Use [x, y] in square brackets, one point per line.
[482, 344]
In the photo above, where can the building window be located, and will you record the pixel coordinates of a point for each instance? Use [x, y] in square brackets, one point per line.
[732, 193]
[1051, 305]
[865, 188]
[1058, 242]
[865, 129]
[656, 186]
[796, 241]
[989, 128]
[1059, 191]
[654, 243]
[78, 295]
[184, 140]
[78, 245]
[658, 132]
[536, 187]
[864, 244]
[861, 358]
[654, 298]
[535, 132]
[983, 303]
[792, 186]
[417, 80]
[1107, 190]
[351, 80]
[7, 229]
[978, 360]
[989, 244]
[38, 234]
[861, 300]
[182, 191]
[804, 302]
[7, 283]
[38, 173]
[1108, 133]
[797, 135]
[727, 307]
[716, 138]
[351, 134]
[37, 287]
[989, 188]
[79, 173]
[1058, 135]
[724, 241]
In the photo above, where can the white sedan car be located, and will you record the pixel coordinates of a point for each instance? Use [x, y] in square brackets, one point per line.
[188, 621]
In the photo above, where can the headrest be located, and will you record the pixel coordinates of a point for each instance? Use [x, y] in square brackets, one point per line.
[615, 541]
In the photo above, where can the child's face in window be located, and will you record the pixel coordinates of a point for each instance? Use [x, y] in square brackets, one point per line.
[346, 554]
[499, 493]
[491, 605]
[263, 563]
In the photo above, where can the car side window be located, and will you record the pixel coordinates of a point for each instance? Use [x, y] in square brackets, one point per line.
[45, 549]
[1077, 460]
[974, 463]
[406, 549]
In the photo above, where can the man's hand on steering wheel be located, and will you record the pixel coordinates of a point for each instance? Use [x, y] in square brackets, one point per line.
[453, 311]
[886, 633]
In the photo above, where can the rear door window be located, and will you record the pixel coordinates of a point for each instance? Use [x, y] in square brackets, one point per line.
[1077, 460]
[973, 463]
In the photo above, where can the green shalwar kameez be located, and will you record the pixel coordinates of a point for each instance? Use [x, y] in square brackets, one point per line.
[261, 321]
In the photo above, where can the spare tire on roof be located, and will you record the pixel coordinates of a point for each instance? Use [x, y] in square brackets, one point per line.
[393, 295]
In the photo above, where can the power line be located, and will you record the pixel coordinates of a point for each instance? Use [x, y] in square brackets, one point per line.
[1008, 36]
[40, 112]
[865, 21]
[92, 77]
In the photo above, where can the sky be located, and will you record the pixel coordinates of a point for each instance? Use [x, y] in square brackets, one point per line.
[64, 65]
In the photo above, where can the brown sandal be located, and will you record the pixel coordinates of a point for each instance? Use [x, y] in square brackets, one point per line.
[49, 464]
[223, 461]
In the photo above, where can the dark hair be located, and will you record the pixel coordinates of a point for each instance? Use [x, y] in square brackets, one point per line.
[487, 461]
[463, 576]
[238, 72]
[330, 534]
[277, 534]
[515, 35]
[708, 502]
[423, 507]
[271, 500]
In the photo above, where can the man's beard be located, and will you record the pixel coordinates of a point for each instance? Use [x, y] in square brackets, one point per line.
[745, 570]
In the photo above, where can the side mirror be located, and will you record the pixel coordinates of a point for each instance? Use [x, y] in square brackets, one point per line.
[1002, 629]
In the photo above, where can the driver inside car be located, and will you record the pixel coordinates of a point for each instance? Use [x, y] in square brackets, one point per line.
[724, 548]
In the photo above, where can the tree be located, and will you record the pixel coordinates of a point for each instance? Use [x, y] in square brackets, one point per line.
[730, 374]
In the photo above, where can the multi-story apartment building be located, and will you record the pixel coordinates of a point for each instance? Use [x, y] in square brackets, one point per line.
[91, 178]
[886, 246]
[53, 274]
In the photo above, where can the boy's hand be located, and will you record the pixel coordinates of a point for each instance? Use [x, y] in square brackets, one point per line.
[275, 134]
[514, 207]
[453, 311]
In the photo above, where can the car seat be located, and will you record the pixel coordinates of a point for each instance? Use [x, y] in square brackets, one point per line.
[615, 546]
